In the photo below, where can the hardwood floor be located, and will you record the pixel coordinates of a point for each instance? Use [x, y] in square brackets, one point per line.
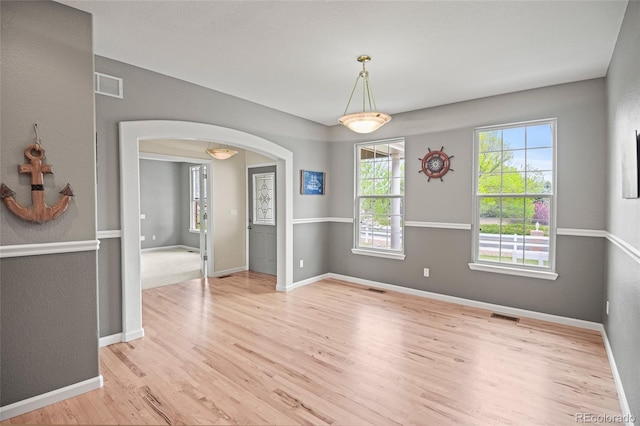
[235, 351]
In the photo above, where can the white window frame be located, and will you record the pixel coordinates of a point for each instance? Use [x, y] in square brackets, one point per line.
[192, 200]
[541, 272]
[371, 251]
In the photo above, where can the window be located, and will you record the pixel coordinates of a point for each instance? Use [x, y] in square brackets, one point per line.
[379, 200]
[194, 193]
[515, 196]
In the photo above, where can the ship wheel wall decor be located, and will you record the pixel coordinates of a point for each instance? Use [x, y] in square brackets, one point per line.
[435, 164]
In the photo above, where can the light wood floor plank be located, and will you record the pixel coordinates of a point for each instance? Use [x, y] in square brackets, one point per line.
[234, 351]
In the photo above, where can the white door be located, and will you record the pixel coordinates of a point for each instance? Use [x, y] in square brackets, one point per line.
[262, 220]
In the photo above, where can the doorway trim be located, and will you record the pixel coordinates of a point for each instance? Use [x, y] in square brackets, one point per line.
[131, 133]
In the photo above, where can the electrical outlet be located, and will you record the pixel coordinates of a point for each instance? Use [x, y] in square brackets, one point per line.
[426, 272]
[143, 216]
[153, 237]
[301, 263]
[142, 238]
[607, 307]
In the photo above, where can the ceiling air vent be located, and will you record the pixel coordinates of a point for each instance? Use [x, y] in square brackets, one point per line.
[108, 85]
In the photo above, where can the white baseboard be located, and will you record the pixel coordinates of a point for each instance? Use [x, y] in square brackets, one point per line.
[133, 335]
[624, 404]
[110, 340]
[39, 401]
[227, 271]
[179, 246]
[308, 281]
[476, 304]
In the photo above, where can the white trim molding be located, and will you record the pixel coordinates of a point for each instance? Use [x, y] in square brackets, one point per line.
[508, 270]
[39, 401]
[131, 133]
[624, 403]
[630, 250]
[576, 232]
[113, 233]
[215, 274]
[21, 250]
[323, 220]
[438, 225]
[383, 254]
[473, 303]
[110, 340]
[177, 246]
[308, 281]
[172, 158]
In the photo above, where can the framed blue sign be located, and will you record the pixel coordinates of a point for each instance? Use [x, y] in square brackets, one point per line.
[312, 183]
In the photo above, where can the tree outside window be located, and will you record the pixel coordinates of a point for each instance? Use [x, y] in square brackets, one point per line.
[515, 194]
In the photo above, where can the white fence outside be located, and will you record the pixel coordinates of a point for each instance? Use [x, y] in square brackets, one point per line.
[517, 246]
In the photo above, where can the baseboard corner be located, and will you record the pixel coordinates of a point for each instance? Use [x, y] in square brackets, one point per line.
[57, 395]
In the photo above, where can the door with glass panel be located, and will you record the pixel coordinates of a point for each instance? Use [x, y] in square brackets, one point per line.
[262, 219]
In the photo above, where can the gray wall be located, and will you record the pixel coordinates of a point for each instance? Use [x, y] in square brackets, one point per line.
[152, 96]
[623, 215]
[48, 309]
[577, 293]
[160, 201]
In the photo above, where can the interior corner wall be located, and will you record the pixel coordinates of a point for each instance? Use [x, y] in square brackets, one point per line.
[160, 196]
[152, 96]
[48, 324]
[623, 215]
[580, 109]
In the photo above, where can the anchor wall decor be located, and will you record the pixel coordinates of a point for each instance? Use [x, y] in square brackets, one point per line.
[39, 211]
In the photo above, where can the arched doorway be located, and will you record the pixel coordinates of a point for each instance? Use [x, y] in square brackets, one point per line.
[131, 132]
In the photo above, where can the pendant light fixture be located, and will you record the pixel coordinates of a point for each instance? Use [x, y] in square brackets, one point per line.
[365, 121]
[221, 153]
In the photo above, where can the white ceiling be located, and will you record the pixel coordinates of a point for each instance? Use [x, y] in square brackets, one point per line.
[300, 56]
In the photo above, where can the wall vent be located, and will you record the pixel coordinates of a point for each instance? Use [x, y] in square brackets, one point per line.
[107, 85]
[376, 290]
[505, 317]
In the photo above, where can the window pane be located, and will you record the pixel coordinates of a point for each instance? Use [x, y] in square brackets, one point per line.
[366, 152]
[514, 160]
[381, 223]
[366, 169]
[367, 187]
[490, 162]
[489, 237]
[490, 140]
[513, 183]
[539, 136]
[489, 183]
[513, 230]
[537, 240]
[540, 159]
[513, 138]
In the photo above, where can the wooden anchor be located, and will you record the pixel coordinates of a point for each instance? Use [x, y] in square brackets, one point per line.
[39, 211]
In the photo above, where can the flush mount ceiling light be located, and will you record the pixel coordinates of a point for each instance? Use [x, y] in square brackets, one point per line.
[365, 121]
[221, 153]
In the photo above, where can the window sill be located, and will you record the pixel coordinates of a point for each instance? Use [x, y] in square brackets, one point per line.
[521, 272]
[195, 231]
[386, 255]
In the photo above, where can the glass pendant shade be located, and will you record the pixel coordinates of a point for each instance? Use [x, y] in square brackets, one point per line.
[365, 121]
[221, 153]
